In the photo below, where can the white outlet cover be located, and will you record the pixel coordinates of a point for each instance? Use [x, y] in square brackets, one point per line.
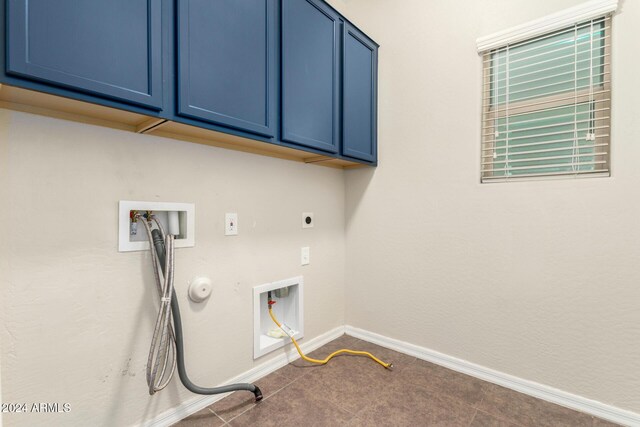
[231, 224]
[305, 256]
[306, 215]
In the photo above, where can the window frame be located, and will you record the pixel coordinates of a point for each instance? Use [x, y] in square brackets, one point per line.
[599, 94]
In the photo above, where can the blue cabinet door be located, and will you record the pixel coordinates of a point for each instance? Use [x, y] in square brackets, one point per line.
[359, 96]
[310, 65]
[226, 63]
[107, 48]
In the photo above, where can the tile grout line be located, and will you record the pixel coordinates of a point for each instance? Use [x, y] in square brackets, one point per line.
[254, 404]
[477, 408]
[251, 406]
[472, 418]
[355, 415]
[484, 396]
[473, 407]
[218, 416]
[228, 421]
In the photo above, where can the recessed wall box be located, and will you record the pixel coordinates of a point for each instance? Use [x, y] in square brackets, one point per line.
[135, 238]
[288, 309]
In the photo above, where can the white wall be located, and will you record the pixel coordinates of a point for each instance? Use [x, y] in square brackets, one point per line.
[536, 279]
[77, 315]
[4, 256]
[1, 392]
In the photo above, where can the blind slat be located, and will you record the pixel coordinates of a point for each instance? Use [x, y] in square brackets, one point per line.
[591, 111]
[603, 172]
[555, 42]
[581, 88]
[493, 81]
[554, 100]
[501, 61]
[535, 159]
[546, 142]
[551, 166]
[544, 134]
[572, 122]
[489, 87]
[560, 49]
[547, 81]
[547, 150]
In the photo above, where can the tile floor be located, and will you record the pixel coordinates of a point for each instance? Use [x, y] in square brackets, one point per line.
[355, 391]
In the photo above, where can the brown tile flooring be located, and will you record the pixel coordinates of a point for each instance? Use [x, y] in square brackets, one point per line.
[355, 391]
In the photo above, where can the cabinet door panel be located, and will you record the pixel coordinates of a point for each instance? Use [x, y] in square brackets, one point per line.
[310, 46]
[359, 96]
[110, 48]
[226, 60]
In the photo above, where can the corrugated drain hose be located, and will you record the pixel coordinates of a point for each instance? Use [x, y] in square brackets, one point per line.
[167, 343]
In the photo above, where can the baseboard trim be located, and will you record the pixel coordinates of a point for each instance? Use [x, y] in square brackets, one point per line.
[198, 403]
[540, 391]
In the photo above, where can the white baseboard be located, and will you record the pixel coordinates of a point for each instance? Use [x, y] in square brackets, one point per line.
[540, 391]
[194, 405]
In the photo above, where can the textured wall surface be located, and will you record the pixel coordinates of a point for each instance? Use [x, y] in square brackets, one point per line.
[536, 279]
[77, 316]
[4, 257]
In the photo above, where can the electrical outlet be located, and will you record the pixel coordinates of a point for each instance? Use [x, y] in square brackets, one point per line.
[307, 220]
[305, 256]
[231, 224]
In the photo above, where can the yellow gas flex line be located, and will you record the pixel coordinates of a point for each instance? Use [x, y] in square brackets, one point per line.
[335, 353]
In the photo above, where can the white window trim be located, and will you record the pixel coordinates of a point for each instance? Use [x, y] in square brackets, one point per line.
[556, 21]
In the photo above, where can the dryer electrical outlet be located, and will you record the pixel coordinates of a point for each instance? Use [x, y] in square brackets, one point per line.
[307, 220]
[130, 239]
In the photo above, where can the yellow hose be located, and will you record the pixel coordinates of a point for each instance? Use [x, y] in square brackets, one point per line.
[335, 353]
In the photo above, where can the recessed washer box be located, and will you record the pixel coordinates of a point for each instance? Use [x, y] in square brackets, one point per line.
[287, 309]
[139, 242]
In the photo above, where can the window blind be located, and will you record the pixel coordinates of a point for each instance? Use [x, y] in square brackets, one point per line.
[547, 104]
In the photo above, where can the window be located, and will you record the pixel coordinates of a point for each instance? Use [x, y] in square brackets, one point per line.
[547, 104]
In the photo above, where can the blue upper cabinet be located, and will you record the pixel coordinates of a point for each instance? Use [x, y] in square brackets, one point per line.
[107, 48]
[288, 72]
[310, 79]
[359, 96]
[227, 63]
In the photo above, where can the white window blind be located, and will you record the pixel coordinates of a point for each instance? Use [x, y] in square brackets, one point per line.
[547, 104]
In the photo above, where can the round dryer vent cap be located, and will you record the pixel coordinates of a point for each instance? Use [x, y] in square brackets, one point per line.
[199, 289]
